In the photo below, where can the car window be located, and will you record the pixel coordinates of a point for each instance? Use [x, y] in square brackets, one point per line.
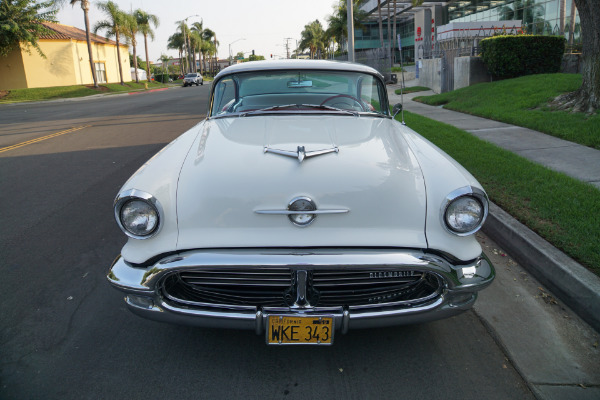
[295, 90]
[224, 96]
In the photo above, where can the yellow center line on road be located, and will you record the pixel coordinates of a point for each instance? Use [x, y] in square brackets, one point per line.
[16, 146]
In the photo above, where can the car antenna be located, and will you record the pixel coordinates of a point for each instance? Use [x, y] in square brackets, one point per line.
[402, 85]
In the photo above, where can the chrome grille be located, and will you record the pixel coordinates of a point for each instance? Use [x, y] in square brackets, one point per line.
[277, 287]
[358, 288]
[238, 287]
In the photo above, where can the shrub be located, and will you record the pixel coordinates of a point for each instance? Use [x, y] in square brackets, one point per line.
[511, 56]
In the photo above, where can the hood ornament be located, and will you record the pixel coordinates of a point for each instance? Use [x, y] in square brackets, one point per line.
[301, 153]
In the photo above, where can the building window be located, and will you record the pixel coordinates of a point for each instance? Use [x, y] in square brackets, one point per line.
[100, 72]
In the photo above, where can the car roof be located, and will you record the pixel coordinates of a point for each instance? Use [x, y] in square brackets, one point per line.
[269, 65]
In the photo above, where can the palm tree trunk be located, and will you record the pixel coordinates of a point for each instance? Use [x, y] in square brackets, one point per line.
[147, 58]
[181, 61]
[85, 5]
[119, 58]
[135, 64]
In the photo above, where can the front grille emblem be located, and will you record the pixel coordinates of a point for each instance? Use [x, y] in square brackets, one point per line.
[302, 211]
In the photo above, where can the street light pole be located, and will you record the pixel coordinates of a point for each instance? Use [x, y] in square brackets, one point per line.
[230, 56]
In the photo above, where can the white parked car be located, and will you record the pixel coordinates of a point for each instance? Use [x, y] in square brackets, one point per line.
[193, 78]
[300, 208]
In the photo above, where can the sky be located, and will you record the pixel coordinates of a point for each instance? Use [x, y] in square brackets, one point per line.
[262, 24]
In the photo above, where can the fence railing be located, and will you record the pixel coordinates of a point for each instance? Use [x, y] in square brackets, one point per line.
[379, 59]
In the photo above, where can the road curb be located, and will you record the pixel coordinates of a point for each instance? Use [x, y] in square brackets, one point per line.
[568, 280]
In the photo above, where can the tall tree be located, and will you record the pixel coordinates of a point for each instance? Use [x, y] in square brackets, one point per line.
[210, 37]
[131, 31]
[177, 42]
[20, 24]
[312, 38]
[587, 98]
[197, 30]
[337, 23]
[165, 62]
[85, 6]
[114, 26]
[145, 22]
[185, 32]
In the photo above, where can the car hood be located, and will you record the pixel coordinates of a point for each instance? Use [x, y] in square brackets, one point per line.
[370, 171]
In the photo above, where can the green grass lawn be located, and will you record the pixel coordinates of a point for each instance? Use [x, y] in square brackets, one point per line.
[65, 92]
[559, 208]
[524, 102]
[412, 89]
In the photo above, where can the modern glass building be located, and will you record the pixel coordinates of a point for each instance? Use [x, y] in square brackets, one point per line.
[541, 17]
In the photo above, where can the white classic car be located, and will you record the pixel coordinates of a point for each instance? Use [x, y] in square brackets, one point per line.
[300, 208]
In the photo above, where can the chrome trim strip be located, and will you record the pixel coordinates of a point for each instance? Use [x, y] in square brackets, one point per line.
[287, 212]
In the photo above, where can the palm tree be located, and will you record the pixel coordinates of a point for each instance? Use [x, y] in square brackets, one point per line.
[337, 23]
[195, 43]
[197, 30]
[144, 20]
[130, 31]
[114, 25]
[312, 38]
[185, 32]
[177, 42]
[165, 59]
[85, 6]
[210, 37]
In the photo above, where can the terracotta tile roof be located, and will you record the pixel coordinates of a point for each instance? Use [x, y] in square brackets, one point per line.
[66, 32]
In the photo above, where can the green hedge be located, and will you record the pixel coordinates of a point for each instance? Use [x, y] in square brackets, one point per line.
[517, 55]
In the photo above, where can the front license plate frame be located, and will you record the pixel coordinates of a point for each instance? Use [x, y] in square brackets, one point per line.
[286, 329]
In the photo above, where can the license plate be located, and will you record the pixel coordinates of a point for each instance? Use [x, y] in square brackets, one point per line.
[288, 329]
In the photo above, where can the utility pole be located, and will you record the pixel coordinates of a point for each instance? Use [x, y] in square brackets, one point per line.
[287, 46]
[350, 16]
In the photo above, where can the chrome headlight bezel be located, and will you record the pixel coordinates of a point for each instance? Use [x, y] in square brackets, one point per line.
[134, 194]
[475, 193]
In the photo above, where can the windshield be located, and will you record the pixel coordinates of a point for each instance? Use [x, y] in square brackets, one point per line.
[253, 93]
[190, 75]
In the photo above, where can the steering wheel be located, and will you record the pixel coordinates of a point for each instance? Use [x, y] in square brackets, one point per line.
[342, 103]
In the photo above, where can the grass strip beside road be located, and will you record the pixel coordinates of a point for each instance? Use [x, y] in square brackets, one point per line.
[66, 92]
[524, 102]
[561, 209]
[412, 89]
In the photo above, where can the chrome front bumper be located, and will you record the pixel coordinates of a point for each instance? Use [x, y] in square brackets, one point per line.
[460, 286]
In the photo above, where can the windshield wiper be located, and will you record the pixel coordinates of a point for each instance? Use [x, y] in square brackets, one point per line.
[355, 113]
[317, 106]
[273, 108]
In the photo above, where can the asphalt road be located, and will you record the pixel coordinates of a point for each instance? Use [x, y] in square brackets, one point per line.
[66, 334]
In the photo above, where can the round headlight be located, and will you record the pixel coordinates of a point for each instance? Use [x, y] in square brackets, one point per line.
[138, 214]
[464, 215]
[139, 217]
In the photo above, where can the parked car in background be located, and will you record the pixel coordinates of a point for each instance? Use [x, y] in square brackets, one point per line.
[300, 208]
[193, 78]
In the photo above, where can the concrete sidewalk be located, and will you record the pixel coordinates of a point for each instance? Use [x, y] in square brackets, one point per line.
[577, 161]
[555, 352]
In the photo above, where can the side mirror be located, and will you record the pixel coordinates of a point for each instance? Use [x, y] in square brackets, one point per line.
[397, 108]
